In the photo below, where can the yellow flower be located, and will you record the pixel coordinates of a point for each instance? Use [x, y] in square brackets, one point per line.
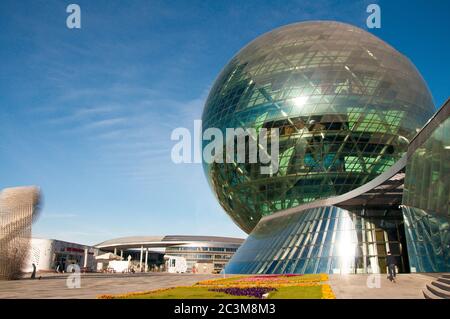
[327, 292]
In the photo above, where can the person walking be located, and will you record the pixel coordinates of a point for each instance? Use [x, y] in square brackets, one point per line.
[33, 274]
[391, 263]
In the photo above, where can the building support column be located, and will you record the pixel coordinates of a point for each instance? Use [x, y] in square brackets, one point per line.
[121, 253]
[140, 260]
[115, 251]
[146, 259]
[86, 254]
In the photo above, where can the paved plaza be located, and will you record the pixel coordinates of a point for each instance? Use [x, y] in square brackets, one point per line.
[93, 285]
[407, 286]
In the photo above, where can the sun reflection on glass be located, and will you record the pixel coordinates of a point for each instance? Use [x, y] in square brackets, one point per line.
[347, 245]
[299, 100]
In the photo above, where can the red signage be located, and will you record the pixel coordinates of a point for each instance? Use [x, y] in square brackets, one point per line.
[76, 250]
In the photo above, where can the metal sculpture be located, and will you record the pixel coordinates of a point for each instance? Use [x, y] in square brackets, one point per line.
[19, 208]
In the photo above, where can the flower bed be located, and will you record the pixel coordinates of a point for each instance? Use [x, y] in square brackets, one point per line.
[266, 280]
[256, 292]
[257, 286]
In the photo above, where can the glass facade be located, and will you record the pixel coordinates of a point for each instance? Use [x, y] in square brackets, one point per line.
[426, 202]
[345, 103]
[218, 256]
[321, 240]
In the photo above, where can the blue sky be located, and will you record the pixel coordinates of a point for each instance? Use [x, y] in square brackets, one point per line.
[87, 114]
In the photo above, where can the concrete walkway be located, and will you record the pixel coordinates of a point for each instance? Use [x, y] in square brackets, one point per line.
[92, 285]
[408, 286]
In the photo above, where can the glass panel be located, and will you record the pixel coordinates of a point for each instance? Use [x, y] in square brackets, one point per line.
[426, 201]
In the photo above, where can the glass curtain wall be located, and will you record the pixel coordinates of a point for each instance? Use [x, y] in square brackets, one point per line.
[219, 256]
[320, 240]
[426, 203]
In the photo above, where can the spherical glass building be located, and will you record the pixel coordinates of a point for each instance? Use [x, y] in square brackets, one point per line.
[346, 105]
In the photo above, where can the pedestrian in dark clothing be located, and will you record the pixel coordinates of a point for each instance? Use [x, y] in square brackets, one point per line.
[33, 274]
[391, 263]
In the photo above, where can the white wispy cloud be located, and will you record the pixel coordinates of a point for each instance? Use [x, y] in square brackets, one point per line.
[104, 123]
[129, 127]
[58, 216]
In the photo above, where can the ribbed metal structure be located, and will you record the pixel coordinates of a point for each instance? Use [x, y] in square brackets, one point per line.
[18, 209]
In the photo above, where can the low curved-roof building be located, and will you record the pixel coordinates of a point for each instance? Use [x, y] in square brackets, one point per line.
[209, 252]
